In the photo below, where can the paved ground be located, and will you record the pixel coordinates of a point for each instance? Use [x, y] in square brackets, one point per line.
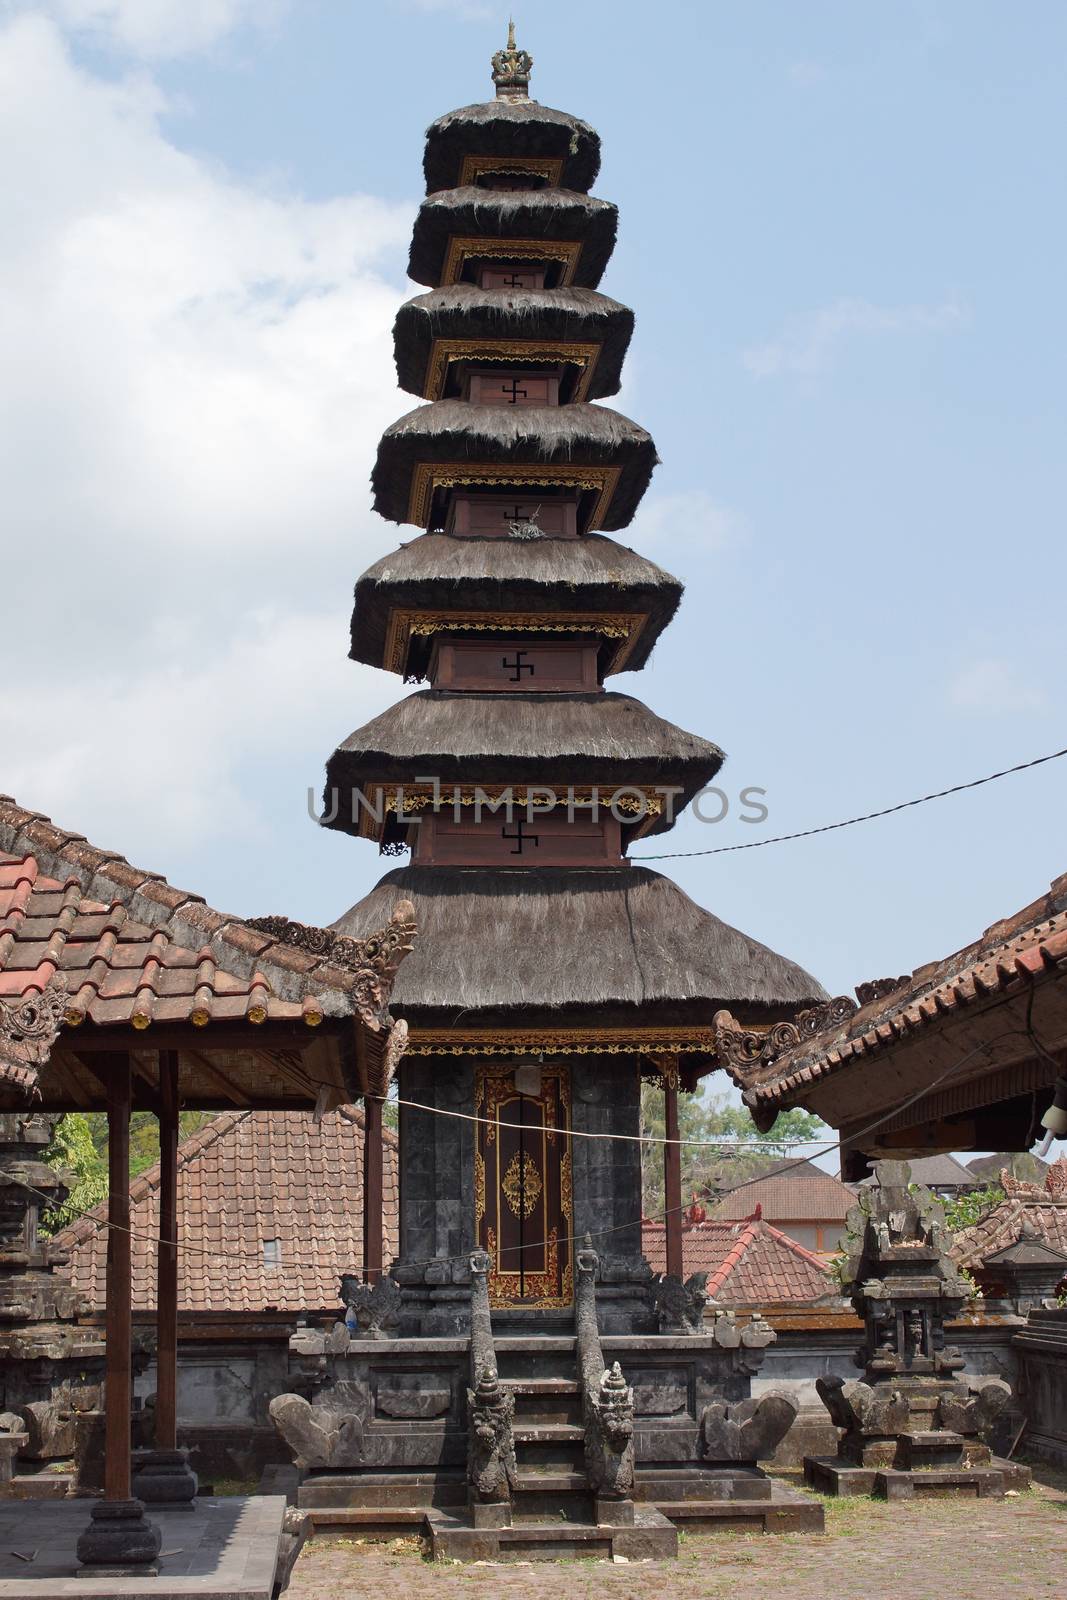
[1012, 1549]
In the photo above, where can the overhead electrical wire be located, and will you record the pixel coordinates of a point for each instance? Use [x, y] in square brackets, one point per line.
[851, 822]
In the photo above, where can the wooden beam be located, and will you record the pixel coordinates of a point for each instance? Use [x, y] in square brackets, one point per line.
[373, 1190]
[672, 1179]
[118, 1394]
[167, 1259]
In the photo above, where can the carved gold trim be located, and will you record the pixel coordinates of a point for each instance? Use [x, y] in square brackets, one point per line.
[404, 625]
[444, 351]
[541, 166]
[422, 797]
[572, 1041]
[429, 476]
[473, 247]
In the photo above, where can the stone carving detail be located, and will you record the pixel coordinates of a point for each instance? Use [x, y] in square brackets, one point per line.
[679, 1306]
[373, 960]
[974, 1414]
[317, 1437]
[743, 1051]
[491, 1469]
[511, 69]
[375, 1306]
[607, 1399]
[855, 1405]
[28, 1030]
[880, 988]
[750, 1431]
[609, 1437]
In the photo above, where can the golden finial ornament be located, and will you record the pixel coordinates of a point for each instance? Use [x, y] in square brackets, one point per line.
[512, 68]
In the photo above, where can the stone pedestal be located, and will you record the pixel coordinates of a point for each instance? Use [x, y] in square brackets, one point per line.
[119, 1541]
[164, 1478]
[490, 1514]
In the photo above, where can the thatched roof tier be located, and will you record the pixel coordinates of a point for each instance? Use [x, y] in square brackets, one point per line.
[465, 323]
[451, 226]
[617, 941]
[606, 739]
[510, 129]
[483, 579]
[453, 442]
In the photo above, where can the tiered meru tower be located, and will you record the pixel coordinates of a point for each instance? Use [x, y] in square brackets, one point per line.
[550, 973]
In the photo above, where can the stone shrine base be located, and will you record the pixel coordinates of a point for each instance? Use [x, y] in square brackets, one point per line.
[226, 1549]
[829, 1475]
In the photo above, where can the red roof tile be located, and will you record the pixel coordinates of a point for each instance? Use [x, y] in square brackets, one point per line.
[747, 1262]
[783, 1198]
[129, 949]
[245, 1178]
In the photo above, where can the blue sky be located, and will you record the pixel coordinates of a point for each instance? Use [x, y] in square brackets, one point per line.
[842, 230]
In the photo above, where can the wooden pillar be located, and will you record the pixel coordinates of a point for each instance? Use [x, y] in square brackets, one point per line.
[167, 1258]
[672, 1177]
[373, 1188]
[119, 1283]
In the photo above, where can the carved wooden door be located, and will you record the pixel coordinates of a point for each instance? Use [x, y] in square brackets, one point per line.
[522, 1188]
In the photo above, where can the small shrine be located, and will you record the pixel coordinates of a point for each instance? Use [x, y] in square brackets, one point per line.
[913, 1425]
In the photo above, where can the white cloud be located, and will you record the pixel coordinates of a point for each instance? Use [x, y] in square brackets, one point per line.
[688, 520]
[196, 375]
[156, 28]
[177, 742]
[808, 343]
[995, 686]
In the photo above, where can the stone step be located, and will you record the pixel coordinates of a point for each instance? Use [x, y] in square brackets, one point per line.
[650, 1535]
[550, 1480]
[541, 1386]
[527, 1432]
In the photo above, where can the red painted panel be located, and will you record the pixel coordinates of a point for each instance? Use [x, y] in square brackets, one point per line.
[511, 277]
[510, 664]
[547, 841]
[488, 516]
[499, 387]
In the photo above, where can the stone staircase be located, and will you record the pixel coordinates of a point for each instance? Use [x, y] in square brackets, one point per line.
[549, 1440]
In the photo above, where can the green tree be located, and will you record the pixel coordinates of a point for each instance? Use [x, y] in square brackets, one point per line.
[73, 1152]
[705, 1117]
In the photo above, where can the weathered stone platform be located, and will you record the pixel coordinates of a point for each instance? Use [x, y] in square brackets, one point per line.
[648, 1537]
[829, 1476]
[225, 1549]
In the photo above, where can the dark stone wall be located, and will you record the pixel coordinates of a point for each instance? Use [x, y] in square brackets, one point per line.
[437, 1192]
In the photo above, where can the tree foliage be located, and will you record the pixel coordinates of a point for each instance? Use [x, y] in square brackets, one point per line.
[967, 1209]
[705, 1117]
[79, 1145]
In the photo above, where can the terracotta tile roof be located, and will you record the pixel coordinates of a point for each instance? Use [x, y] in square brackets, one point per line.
[246, 1178]
[1008, 957]
[110, 943]
[784, 1198]
[1027, 1209]
[747, 1262]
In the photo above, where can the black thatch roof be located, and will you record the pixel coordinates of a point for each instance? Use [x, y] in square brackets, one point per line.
[579, 435]
[437, 571]
[513, 214]
[463, 311]
[590, 738]
[618, 937]
[510, 128]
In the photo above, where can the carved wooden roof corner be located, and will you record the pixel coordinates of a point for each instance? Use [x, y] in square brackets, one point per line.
[749, 1054]
[29, 1025]
[367, 967]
